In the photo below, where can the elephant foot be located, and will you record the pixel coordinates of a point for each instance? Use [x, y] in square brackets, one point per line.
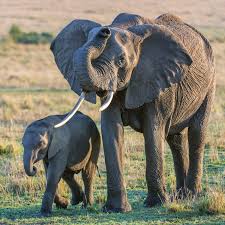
[154, 200]
[61, 203]
[193, 188]
[45, 213]
[116, 202]
[110, 209]
[117, 208]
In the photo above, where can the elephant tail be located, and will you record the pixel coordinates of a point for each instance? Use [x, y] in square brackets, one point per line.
[88, 173]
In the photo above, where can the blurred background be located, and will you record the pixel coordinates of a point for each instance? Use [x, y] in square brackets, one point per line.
[31, 87]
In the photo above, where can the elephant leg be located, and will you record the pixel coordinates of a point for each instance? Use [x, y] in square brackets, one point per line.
[154, 134]
[113, 143]
[60, 201]
[88, 173]
[88, 186]
[54, 173]
[76, 189]
[179, 147]
[196, 139]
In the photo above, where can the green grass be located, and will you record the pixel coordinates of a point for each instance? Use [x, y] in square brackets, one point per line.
[21, 195]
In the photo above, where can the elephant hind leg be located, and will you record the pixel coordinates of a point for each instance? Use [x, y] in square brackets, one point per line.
[196, 139]
[179, 147]
[60, 201]
[76, 189]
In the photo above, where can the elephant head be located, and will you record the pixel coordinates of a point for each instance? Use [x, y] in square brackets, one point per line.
[36, 141]
[132, 53]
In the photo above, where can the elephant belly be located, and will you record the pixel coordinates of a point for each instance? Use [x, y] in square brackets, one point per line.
[186, 105]
[132, 118]
[79, 155]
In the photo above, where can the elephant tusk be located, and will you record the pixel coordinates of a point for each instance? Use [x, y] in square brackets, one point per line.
[107, 101]
[72, 112]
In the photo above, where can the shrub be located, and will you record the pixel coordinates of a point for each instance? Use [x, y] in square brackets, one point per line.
[29, 37]
[10, 149]
[7, 150]
[177, 203]
[212, 203]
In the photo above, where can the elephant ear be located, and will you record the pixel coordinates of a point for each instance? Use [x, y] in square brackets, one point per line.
[58, 140]
[72, 37]
[161, 64]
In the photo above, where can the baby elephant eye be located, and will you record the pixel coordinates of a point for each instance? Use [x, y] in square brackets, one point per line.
[121, 61]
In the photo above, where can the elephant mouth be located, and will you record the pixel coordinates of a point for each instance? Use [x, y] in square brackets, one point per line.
[102, 94]
[105, 105]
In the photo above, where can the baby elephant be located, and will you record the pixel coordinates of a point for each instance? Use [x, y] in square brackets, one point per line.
[65, 151]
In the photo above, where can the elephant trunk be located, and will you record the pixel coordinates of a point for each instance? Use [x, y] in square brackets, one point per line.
[94, 73]
[30, 169]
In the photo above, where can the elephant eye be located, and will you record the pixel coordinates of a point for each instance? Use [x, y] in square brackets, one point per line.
[121, 61]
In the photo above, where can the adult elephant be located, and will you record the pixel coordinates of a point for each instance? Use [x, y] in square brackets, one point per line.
[161, 73]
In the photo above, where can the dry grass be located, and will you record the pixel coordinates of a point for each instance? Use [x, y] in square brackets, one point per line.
[28, 66]
[14, 181]
[212, 203]
[46, 15]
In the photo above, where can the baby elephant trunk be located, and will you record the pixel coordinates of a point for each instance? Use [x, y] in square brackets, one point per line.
[30, 169]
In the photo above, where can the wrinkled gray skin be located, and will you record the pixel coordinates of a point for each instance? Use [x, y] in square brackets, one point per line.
[65, 151]
[162, 73]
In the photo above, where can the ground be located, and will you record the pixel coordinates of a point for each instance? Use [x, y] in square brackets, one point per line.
[31, 87]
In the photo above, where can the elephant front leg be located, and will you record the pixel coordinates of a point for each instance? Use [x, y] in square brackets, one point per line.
[54, 173]
[154, 148]
[112, 133]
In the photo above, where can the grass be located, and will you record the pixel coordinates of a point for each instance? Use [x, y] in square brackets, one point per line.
[213, 203]
[21, 195]
[19, 36]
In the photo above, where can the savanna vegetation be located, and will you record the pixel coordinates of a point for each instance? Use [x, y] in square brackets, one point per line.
[31, 87]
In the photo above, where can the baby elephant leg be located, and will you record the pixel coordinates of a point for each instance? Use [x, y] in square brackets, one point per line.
[54, 173]
[76, 189]
[60, 201]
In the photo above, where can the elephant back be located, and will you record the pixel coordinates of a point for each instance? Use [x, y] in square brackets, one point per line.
[200, 76]
[196, 44]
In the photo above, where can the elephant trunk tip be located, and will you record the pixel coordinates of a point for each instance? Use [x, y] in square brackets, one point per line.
[32, 172]
[105, 32]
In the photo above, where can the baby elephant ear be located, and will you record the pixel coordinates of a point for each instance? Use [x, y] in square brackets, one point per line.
[72, 37]
[162, 63]
[58, 141]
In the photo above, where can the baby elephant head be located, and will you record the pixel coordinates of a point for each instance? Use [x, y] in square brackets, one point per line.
[35, 142]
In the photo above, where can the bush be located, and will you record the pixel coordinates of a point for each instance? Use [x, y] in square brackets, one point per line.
[212, 203]
[7, 150]
[29, 38]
